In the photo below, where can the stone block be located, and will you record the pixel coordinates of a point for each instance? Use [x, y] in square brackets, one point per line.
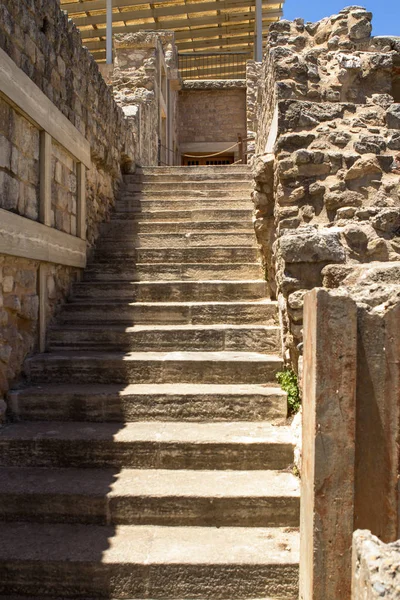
[311, 246]
[376, 568]
[328, 461]
[378, 410]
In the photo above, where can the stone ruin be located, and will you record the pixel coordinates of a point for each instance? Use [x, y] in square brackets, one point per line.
[327, 162]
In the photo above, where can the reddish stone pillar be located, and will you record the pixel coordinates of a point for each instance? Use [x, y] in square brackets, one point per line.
[329, 407]
[378, 420]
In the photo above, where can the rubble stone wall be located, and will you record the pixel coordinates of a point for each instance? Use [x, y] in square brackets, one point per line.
[253, 74]
[138, 83]
[376, 568]
[212, 113]
[327, 191]
[43, 43]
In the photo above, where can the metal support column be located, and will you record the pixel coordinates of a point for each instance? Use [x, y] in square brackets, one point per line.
[258, 49]
[109, 57]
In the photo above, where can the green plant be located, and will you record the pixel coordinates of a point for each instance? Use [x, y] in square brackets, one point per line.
[287, 379]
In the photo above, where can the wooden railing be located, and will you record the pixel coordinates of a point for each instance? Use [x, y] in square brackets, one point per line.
[23, 237]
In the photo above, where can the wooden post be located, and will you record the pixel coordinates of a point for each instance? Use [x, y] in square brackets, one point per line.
[42, 305]
[81, 201]
[240, 147]
[45, 178]
[109, 29]
[258, 47]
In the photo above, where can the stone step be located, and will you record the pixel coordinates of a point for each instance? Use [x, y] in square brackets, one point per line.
[148, 561]
[119, 271]
[190, 215]
[111, 239]
[246, 338]
[238, 446]
[228, 203]
[95, 310]
[150, 497]
[239, 254]
[147, 367]
[210, 170]
[172, 192]
[150, 401]
[172, 176]
[122, 227]
[188, 186]
[173, 291]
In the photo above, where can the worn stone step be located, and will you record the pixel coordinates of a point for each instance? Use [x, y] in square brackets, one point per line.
[193, 216]
[250, 338]
[172, 191]
[150, 401]
[238, 446]
[111, 239]
[239, 254]
[188, 186]
[150, 497]
[146, 561]
[209, 170]
[123, 227]
[147, 367]
[172, 291]
[228, 203]
[119, 271]
[195, 175]
[93, 310]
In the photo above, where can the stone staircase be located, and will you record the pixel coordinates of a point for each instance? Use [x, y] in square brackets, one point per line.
[149, 456]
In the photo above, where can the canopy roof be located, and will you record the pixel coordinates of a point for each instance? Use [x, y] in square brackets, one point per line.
[211, 26]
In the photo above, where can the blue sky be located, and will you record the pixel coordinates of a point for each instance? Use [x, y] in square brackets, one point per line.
[386, 12]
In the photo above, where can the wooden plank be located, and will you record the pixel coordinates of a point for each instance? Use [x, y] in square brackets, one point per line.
[180, 9]
[23, 237]
[224, 20]
[45, 178]
[28, 99]
[81, 202]
[216, 43]
[42, 293]
[75, 8]
[206, 44]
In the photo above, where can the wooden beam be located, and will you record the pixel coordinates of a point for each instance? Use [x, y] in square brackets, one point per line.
[81, 201]
[189, 34]
[179, 9]
[25, 238]
[75, 8]
[29, 100]
[216, 43]
[42, 293]
[45, 178]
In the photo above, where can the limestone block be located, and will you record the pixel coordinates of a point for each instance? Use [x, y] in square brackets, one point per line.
[376, 568]
[8, 284]
[328, 458]
[393, 116]
[309, 245]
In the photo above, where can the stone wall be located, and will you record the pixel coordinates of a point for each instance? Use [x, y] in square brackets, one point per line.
[211, 112]
[253, 74]
[46, 46]
[145, 92]
[376, 568]
[351, 422]
[327, 172]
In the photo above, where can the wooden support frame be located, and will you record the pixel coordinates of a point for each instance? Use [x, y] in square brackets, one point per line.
[45, 178]
[42, 293]
[81, 202]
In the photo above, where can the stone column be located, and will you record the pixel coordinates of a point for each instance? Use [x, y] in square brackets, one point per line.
[327, 484]
[378, 418]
